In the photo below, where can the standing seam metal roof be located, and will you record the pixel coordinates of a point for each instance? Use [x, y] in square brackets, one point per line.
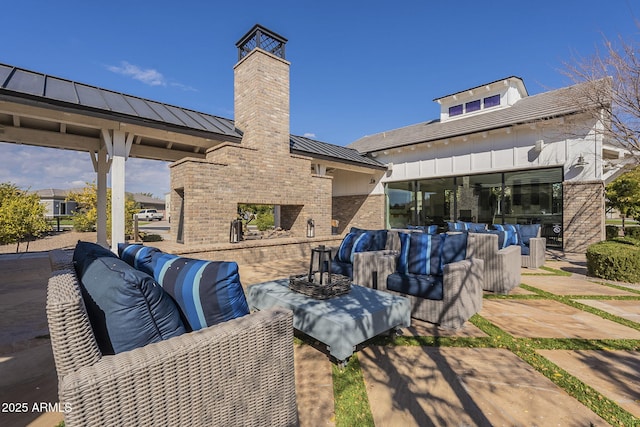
[82, 95]
[33, 85]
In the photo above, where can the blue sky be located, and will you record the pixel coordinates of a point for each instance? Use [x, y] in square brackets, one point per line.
[357, 68]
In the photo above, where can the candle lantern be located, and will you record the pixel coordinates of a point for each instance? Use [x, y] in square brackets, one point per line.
[320, 265]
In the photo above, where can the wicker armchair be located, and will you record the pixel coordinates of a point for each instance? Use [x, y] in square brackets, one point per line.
[462, 287]
[237, 373]
[501, 266]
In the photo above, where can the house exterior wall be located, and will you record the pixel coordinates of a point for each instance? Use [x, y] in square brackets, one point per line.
[584, 214]
[514, 149]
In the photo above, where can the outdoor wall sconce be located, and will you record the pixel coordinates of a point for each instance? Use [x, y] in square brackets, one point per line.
[581, 161]
[311, 228]
[539, 146]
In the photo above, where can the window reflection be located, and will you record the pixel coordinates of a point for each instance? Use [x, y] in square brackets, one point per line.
[523, 197]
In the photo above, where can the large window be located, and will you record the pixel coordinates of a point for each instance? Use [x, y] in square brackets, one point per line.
[523, 197]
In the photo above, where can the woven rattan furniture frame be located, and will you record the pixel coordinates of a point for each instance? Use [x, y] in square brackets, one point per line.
[462, 291]
[237, 373]
[502, 270]
[537, 252]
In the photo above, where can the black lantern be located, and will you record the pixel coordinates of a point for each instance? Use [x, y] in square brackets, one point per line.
[311, 228]
[323, 256]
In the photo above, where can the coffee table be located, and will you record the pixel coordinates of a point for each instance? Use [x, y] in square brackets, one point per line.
[341, 322]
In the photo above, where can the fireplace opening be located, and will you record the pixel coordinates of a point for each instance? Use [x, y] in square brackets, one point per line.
[263, 221]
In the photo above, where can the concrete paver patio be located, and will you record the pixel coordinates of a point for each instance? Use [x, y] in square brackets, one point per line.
[418, 386]
[406, 385]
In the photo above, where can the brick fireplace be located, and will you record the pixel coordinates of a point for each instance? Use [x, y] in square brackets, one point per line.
[205, 193]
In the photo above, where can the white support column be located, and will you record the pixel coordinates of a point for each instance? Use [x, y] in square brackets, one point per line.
[118, 145]
[101, 165]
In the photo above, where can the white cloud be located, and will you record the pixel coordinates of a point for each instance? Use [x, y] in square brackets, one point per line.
[38, 168]
[309, 135]
[149, 76]
[184, 87]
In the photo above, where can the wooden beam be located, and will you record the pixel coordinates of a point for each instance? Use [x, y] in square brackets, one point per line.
[43, 138]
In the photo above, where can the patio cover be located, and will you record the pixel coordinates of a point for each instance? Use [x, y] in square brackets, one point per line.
[41, 110]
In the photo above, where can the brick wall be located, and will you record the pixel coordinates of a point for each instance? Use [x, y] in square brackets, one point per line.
[584, 215]
[362, 211]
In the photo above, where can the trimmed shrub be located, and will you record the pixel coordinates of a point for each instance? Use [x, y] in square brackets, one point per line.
[617, 259]
[612, 231]
[151, 238]
[632, 232]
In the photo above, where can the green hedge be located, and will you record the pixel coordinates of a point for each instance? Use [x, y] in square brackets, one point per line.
[617, 259]
[632, 232]
[612, 231]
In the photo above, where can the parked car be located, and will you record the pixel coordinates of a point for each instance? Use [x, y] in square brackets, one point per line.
[149, 215]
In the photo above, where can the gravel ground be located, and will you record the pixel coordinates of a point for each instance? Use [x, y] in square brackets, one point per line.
[62, 240]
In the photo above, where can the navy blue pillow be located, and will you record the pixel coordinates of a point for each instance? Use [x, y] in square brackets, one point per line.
[378, 240]
[86, 252]
[527, 231]
[454, 248]
[207, 292]
[126, 307]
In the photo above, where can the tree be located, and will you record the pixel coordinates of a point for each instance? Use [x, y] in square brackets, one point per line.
[86, 215]
[612, 78]
[623, 194]
[21, 215]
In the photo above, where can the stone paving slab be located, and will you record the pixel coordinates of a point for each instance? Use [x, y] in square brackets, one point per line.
[615, 374]
[314, 387]
[518, 291]
[574, 285]
[551, 319]
[627, 309]
[23, 290]
[421, 328]
[416, 386]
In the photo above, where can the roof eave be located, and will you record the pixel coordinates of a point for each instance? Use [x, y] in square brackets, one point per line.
[37, 101]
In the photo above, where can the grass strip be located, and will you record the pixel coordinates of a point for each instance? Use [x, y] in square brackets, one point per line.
[350, 395]
[550, 272]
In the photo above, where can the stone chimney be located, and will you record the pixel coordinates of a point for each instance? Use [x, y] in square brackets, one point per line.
[261, 91]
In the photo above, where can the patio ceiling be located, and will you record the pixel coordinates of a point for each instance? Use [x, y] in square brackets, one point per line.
[41, 110]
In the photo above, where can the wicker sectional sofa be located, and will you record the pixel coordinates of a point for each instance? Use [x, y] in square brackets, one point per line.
[236, 373]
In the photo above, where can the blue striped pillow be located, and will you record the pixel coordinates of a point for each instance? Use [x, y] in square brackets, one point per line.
[352, 243]
[429, 229]
[207, 292]
[512, 233]
[138, 256]
[420, 253]
[456, 226]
